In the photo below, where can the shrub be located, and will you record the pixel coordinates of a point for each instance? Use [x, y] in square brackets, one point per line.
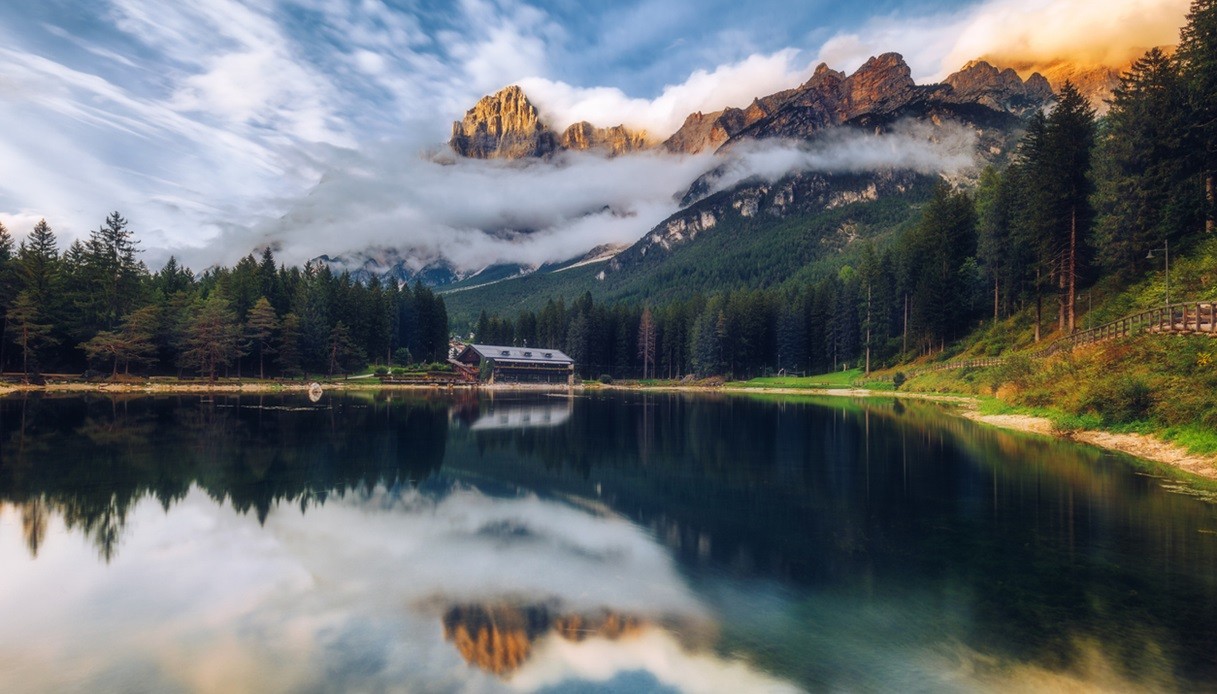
[606, 379]
[381, 371]
[1016, 371]
[1124, 400]
[898, 379]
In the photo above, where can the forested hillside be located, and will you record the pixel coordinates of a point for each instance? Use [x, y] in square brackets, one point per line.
[1083, 205]
[95, 306]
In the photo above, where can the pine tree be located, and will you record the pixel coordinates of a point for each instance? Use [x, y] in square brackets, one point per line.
[38, 262]
[139, 331]
[1145, 187]
[344, 355]
[289, 346]
[1197, 53]
[212, 337]
[135, 342]
[646, 341]
[261, 327]
[28, 330]
[7, 284]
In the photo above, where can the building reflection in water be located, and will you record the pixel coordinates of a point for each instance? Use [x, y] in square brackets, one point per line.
[489, 415]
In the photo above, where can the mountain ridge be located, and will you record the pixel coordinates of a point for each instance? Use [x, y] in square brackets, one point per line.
[507, 125]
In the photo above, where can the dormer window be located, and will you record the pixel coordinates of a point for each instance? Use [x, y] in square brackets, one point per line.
[528, 354]
[549, 355]
[505, 353]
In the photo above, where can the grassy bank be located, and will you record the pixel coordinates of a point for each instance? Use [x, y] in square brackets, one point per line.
[1165, 386]
[829, 381]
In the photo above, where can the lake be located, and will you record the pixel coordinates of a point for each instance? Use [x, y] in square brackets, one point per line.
[613, 542]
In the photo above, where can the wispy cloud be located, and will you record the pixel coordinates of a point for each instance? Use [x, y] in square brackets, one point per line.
[936, 44]
[473, 213]
[201, 121]
[211, 601]
[735, 85]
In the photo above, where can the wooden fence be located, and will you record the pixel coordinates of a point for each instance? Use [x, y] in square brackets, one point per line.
[1176, 319]
[1192, 318]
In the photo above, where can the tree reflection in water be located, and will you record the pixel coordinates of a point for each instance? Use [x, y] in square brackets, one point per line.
[90, 459]
[879, 526]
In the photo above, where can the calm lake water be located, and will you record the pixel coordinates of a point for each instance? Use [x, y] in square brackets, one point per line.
[598, 543]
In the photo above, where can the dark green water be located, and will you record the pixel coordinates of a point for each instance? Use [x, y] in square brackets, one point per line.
[600, 543]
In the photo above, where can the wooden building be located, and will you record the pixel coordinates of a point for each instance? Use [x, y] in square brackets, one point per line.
[496, 364]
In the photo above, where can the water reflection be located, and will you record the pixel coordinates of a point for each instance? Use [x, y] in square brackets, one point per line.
[499, 637]
[90, 459]
[634, 542]
[508, 414]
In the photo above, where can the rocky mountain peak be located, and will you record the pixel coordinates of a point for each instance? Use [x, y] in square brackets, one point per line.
[618, 139]
[825, 72]
[1003, 90]
[504, 125]
[880, 84]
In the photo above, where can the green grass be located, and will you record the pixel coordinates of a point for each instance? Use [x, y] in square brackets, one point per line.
[834, 379]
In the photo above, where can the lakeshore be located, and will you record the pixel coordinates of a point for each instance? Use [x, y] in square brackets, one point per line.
[1142, 446]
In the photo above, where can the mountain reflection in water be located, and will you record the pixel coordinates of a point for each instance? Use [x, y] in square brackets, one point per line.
[634, 542]
[498, 638]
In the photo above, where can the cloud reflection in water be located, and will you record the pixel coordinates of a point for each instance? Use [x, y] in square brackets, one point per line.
[356, 594]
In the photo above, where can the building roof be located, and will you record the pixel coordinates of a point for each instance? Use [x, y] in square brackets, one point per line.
[529, 355]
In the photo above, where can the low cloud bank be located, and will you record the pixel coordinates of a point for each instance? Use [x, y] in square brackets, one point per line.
[475, 213]
[910, 146]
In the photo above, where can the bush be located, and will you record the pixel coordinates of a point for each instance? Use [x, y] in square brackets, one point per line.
[381, 371]
[1124, 400]
[898, 380]
[1016, 370]
[606, 379]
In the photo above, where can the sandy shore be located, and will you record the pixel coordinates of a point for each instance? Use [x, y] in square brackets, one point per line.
[1139, 445]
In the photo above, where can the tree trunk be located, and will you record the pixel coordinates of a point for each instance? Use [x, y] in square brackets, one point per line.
[1210, 195]
[1073, 268]
[1039, 305]
[868, 320]
[906, 323]
[995, 301]
[1060, 296]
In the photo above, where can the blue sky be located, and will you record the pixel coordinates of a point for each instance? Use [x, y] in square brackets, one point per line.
[204, 120]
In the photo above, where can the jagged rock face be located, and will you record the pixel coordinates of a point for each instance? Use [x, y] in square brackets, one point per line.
[1002, 90]
[882, 84]
[584, 136]
[507, 125]
[798, 193]
[879, 91]
[1095, 82]
[707, 132]
[502, 126]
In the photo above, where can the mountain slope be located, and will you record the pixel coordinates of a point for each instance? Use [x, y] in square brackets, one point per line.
[765, 231]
